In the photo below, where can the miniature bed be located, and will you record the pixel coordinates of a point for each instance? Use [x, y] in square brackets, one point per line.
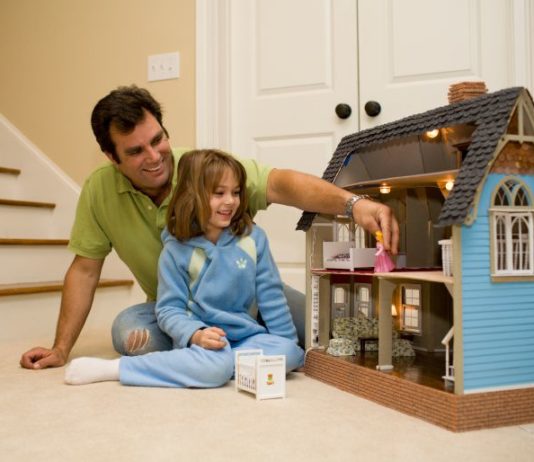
[261, 375]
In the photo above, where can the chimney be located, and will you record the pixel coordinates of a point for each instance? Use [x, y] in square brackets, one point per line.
[466, 90]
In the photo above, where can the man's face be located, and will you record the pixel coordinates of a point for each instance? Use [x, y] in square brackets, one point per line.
[145, 157]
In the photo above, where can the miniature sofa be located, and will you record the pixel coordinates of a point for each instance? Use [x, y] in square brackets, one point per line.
[352, 329]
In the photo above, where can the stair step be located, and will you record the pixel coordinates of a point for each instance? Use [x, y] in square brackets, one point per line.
[17, 203]
[52, 286]
[24, 241]
[10, 171]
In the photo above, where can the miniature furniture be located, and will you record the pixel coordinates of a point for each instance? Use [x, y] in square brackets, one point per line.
[263, 376]
[363, 341]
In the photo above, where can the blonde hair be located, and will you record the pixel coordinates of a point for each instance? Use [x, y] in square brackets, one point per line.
[199, 172]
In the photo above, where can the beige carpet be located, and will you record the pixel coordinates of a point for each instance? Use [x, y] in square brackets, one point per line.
[42, 419]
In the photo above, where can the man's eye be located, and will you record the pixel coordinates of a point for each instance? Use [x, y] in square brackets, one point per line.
[157, 140]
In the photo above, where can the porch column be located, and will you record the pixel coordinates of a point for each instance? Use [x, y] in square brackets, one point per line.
[385, 329]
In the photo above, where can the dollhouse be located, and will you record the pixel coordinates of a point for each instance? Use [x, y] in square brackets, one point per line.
[460, 179]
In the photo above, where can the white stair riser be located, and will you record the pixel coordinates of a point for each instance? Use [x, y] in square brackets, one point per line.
[33, 263]
[8, 186]
[35, 315]
[23, 222]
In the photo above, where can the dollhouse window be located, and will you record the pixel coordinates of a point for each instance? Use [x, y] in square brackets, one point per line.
[340, 301]
[362, 300]
[342, 232]
[512, 230]
[349, 232]
[411, 308]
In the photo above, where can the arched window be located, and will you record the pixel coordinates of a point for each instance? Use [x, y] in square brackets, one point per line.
[512, 235]
[362, 300]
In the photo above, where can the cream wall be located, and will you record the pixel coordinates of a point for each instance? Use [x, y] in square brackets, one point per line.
[58, 57]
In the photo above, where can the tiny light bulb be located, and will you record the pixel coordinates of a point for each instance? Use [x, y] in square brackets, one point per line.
[449, 185]
[432, 133]
[384, 189]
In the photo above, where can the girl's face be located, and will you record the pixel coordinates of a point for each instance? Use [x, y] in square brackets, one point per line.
[224, 202]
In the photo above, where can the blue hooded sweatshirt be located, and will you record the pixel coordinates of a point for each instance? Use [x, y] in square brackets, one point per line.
[202, 284]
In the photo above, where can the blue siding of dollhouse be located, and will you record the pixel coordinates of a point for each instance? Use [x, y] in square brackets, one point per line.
[498, 318]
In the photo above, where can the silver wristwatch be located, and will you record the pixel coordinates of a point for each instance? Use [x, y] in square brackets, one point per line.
[351, 201]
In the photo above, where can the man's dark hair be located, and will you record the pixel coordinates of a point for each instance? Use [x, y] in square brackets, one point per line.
[124, 109]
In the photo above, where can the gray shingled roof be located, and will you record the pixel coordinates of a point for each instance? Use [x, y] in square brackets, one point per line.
[490, 114]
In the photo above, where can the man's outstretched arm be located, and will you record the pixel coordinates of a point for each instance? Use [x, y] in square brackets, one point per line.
[308, 192]
[79, 288]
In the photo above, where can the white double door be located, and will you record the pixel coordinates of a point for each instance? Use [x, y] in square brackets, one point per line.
[293, 61]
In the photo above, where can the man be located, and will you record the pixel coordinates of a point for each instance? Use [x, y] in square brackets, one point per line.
[123, 206]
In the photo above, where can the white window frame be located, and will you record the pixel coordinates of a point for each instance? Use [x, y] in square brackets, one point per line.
[340, 308]
[366, 304]
[505, 251]
[410, 306]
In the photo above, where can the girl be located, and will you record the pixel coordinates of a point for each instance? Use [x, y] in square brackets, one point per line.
[215, 268]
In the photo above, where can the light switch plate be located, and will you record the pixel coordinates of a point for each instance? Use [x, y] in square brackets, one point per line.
[163, 66]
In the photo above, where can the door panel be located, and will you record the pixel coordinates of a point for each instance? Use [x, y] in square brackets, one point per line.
[411, 51]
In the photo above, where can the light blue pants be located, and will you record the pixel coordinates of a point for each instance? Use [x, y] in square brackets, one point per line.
[140, 320]
[200, 368]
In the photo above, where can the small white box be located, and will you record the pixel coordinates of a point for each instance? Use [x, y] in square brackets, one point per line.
[264, 376]
[340, 255]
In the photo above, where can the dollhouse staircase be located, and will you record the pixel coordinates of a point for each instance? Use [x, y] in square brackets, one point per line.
[449, 366]
[37, 206]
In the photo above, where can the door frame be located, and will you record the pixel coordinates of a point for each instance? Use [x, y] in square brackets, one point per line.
[213, 84]
[213, 58]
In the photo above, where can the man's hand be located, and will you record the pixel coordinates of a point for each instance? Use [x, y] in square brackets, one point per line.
[41, 358]
[209, 338]
[374, 216]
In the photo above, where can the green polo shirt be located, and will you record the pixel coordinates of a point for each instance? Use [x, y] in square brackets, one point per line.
[112, 214]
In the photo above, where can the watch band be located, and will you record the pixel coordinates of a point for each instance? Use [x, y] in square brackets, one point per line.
[351, 201]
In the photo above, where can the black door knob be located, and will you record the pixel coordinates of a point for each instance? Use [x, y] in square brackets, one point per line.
[372, 108]
[343, 111]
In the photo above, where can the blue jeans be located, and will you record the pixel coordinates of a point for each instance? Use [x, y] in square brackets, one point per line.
[135, 330]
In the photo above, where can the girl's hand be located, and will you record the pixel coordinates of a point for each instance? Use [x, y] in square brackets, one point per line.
[210, 338]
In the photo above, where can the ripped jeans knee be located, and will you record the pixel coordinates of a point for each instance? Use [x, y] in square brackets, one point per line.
[136, 341]
[135, 331]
